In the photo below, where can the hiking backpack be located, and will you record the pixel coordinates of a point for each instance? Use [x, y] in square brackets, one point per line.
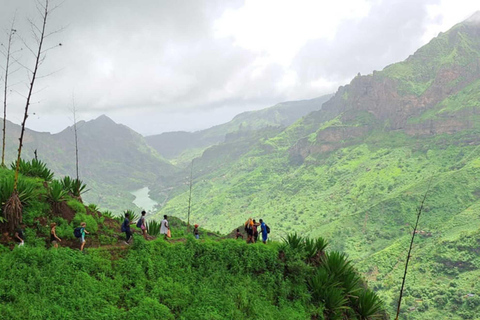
[139, 223]
[123, 227]
[77, 232]
[268, 228]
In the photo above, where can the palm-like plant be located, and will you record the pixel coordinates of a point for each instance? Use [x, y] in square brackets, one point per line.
[153, 228]
[108, 214]
[369, 306]
[55, 192]
[325, 289]
[294, 241]
[35, 168]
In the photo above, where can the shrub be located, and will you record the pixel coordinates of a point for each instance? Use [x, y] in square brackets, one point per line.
[55, 192]
[77, 206]
[153, 227]
[35, 168]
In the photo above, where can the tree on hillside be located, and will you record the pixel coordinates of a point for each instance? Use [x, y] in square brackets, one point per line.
[6, 50]
[13, 206]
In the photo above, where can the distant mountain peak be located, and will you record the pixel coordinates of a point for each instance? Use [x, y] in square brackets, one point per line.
[474, 19]
[103, 118]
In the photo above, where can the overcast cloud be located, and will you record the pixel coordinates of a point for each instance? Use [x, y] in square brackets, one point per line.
[160, 66]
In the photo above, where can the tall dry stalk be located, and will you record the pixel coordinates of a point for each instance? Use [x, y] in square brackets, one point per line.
[7, 54]
[419, 213]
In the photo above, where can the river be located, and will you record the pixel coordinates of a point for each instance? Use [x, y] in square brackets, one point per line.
[142, 199]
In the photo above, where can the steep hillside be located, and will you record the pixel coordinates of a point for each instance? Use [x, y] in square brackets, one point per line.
[357, 170]
[173, 144]
[113, 159]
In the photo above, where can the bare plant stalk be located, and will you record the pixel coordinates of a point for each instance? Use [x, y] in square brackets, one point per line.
[74, 111]
[190, 197]
[419, 212]
[7, 66]
[38, 56]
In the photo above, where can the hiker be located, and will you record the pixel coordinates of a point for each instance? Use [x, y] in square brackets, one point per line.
[53, 235]
[20, 234]
[83, 231]
[238, 235]
[195, 232]
[255, 231]
[263, 230]
[249, 230]
[164, 227]
[142, 224]
[126, 228]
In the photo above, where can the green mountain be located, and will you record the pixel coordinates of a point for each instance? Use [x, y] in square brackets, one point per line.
[173, 144]
[113, 159]
[357, 170]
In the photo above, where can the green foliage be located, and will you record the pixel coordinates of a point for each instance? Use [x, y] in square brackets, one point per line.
[64, 230]
[133, 216]
[55, 192]
[35, 168]
[26, 190]
[188, 280]
[77, 206]
[369, 305]
[92, 225]
[75, 187]
[108, 214]
[93, 207]
[153, 227]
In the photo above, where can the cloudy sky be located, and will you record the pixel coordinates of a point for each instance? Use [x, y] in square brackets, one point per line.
[158, 65]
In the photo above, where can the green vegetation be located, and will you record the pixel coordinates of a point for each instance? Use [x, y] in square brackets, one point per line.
[183, 280]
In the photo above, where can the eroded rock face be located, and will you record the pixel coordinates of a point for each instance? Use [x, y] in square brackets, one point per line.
[396, 103]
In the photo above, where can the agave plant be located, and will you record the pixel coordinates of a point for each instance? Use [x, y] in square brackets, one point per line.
[369, 306]
[55, 192]
[108, 214]
[325, 289]
[78, 187]
[294, 241]
[35, 168]
[93, 207]
[153, 227]
[26, 190]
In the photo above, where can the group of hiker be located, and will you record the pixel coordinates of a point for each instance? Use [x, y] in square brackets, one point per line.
[142, 224]
[251, 228]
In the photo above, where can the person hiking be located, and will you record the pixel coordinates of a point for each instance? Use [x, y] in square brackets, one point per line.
[255, 231]
[164, 227]
[84, 231]
[263, 230]
[238, 235]
[249, 230]
[20, 235]
[142, 224]
[126, 228]
[53, 235]
[195, 232]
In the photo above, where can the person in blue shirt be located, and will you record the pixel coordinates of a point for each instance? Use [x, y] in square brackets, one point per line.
[263, 230]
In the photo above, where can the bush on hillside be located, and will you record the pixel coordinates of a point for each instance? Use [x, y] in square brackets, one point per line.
[77, 206]
[35, 168]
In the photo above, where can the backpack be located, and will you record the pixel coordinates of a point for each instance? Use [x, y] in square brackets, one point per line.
[77, 232]
[123, 227]
[268, 228]
[139, 223]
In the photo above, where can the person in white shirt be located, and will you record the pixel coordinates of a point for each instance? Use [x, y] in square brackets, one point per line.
[164, 227]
